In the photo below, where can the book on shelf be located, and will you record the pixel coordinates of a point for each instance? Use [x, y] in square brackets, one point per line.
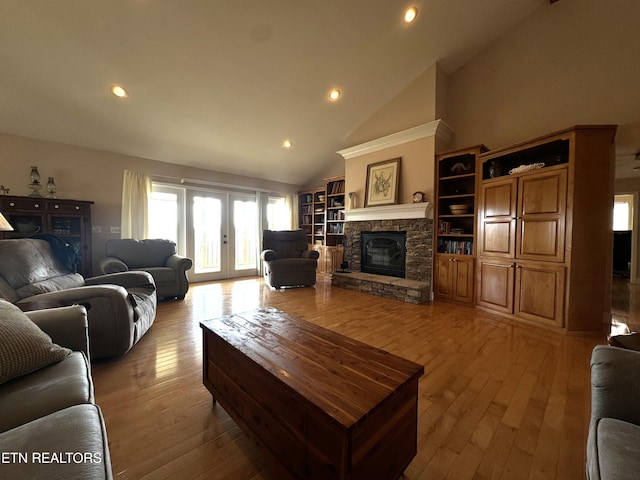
[337, 187]
[444, 227]
[458, 247]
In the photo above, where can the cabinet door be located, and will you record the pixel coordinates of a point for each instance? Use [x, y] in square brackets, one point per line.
[321, 259]
[463, 276]
[539, 293]
[497, 218]
[444, 275]
[496, 285]
[542, 200]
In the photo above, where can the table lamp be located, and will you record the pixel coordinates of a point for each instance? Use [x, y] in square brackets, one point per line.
[5, 226]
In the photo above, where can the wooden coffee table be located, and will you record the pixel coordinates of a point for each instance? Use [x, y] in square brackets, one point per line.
[323, 405]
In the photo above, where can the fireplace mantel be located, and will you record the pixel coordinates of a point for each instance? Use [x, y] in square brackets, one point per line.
[390, 212]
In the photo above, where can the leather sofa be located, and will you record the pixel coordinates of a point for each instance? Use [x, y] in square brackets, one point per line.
[613, 445]
[155, 256]
[50, 426]
[287, 260]
[121, 307]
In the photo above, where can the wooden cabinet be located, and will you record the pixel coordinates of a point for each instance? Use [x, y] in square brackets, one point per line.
[455, 277]
[455, 220]
[69, 219]
[330, 257]
[544, 229]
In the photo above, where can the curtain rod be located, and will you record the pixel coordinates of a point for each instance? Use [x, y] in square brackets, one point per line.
[195, 181]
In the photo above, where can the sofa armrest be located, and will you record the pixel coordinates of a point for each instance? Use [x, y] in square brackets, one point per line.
[314, 254]
[112, 265]
[135, 278]
[67, 326]
[179, 263]
[615, 383]
[268, 255]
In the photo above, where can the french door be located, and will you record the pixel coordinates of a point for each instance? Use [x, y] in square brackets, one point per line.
[223, 236]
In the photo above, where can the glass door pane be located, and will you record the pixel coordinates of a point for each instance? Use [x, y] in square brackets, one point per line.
[244, 254]
[208, 238]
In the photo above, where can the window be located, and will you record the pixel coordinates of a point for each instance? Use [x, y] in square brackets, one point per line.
[278, 214]
[166, 210]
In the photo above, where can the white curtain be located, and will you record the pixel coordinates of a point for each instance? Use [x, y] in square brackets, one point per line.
[292, 202]
[136, 189]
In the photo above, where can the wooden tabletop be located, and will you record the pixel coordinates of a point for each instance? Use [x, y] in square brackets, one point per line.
[345, 378]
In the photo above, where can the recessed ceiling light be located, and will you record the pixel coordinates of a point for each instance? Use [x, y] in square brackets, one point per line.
[119, 91]
[334, 94]
[410, 14]
[287, 144]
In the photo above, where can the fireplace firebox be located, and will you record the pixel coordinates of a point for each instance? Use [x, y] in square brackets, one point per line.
[384, 253]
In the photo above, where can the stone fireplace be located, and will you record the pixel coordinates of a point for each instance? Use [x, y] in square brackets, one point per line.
[412, 219]
[419, 236]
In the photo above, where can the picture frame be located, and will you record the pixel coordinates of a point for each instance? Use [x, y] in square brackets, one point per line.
[383, 179]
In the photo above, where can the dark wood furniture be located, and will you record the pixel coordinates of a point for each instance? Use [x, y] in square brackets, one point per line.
[70, 219]
[323, 405]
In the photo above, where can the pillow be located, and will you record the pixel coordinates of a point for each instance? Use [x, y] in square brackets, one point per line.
[24, 348]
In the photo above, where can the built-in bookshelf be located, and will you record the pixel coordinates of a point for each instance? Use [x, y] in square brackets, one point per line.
[321, 212]
[335, 211]
[455, 221]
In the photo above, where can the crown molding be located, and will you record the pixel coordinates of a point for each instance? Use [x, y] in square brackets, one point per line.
[437, 128]
[390, 212]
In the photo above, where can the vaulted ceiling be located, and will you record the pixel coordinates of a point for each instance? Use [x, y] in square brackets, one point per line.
[220, 84]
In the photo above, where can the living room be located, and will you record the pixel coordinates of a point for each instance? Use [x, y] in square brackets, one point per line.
[566, 62]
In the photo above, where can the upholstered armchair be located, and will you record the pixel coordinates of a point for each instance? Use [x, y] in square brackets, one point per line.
[121, 307]
[287, 260]
[155, 256]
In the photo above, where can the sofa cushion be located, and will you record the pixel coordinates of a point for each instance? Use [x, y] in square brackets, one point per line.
[29, 261]
[24, 348]
[141, 253]
[161, 274]
[53, 284]
[40, 393]
[70, 443]
[613, 451]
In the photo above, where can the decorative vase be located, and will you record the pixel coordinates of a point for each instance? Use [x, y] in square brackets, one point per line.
[35, 182]
[353, 200]
[495, 170]
[51, 188]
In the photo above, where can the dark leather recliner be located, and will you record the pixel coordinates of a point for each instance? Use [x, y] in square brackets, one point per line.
[287, 260]
[156, 256]
[121, 307]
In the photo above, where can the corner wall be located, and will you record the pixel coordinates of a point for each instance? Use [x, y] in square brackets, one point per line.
[572, 62]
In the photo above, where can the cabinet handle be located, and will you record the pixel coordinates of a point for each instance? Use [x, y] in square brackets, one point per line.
[37, 205]
[12, 204]
[513, 265]
[77, 207]
[56, 206]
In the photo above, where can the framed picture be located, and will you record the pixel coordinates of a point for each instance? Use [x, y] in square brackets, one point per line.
[383, 179]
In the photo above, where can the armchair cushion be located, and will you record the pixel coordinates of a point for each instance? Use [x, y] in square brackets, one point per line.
[24, 348]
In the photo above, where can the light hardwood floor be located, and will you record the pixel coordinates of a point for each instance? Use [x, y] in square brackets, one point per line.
[498, 400]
